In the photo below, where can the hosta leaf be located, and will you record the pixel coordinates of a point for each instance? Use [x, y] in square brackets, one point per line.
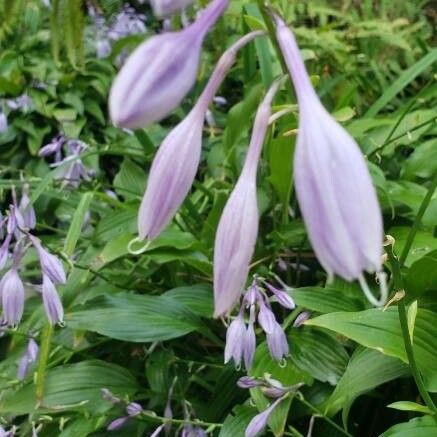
[236, 422]
[420, 427]
[73, 386]
[380, 330]
[135, 318]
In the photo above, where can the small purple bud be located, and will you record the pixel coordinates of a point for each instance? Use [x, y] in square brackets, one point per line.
[23, 366]
[266, 319]
[192, 431]
[235, 337]
[259, 422]
[26, 209]
[164, 8]
[282, 297]
[52, 302]
[3, 123]
[29, 357]
[238, 227]
[159, 73]
[333, 185]
[301, 319]
[50, 264]
[157, 430]
[54, 147]
[248, 382]
[12, 291]
[249, 346]
[133, 409]
[277, 343]
[32, 350]
[273, 392]
[117, 423]
[4, 251]
[107, 395]
[15, 220]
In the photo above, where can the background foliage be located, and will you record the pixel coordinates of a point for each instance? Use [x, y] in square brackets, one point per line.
[138, 324]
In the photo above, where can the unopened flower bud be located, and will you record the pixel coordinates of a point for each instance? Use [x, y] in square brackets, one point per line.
[12, 292]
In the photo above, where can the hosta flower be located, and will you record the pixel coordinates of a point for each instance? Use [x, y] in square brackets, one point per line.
[52, 302]
[238, 227]
[29, 357]
[160, 72]
[164, 8]
[333, 185]
[3, 122]
[26, 209]
[12, 293]
[175, 164]
[259, 422]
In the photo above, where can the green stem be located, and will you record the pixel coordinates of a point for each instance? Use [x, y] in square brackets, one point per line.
[398, 284]
[46, 338]
[314, 409]
[417, 220]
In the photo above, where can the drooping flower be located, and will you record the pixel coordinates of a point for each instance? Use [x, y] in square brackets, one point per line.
[29, 357]
[52, 302]
[160, 72]
[235, 336]
[164, 8]
[277, 342]
[238, 227]
[175, 164]
[26, 209]
[333, 185]
[12, 293]
[3, 122]
[259, 422]
[50, 264]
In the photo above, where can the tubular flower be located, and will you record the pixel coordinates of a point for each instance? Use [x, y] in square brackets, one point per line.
[164, 8]
[238, 227]
[175, 165]
[160, 72]
[12, 292]
[333, 185]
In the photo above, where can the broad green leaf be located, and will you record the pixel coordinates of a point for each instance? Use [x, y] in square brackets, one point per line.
[404, 79]
[287, 373]
[318, 353]
[422, 275]
[325, 300]
[130, 181]
[380, 330]
[198, 298]
[135, 318]
[422, 162]
[419, 427]
[72, 386]
[410, 406]
[366, 370]
[236, 422]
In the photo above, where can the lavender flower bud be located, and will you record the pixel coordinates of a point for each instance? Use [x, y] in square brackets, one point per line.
[50, 264]
[107, 395]
[117, 423]
[235, 337]
[249, 346]
[301, 319]
[259, 422]
[164, 8]
[26, 209]
[266, 319]
[3, 123]
[29, 357]
[52, 302]
[333, 185]
[192, 431]
[133, 409]
[238, 227]
[248, 382]
[54, 147]
[282, 297]
[157, 430]
[277, 342]
[175, 165]
[159, 73]
[4, 251]
[15, 220]
[12, 292]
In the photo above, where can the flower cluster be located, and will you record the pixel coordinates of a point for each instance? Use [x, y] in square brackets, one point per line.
[15, 229]
[67, 158]
[241, 339]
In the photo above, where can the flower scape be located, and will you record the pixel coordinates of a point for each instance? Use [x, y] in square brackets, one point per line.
[217, 218]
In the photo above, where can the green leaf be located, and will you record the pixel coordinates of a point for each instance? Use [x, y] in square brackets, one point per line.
[135, 318]
[236, 423]
[422, 275]
[75, 228]
[410, 406]
[366, 370]
[325, 300]
[380, 330]
[318, 353]
[198, 298]
[130, 181]
[403, 80]
[422, 162]
[73, 386]
[419, 427]
[288, 374]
